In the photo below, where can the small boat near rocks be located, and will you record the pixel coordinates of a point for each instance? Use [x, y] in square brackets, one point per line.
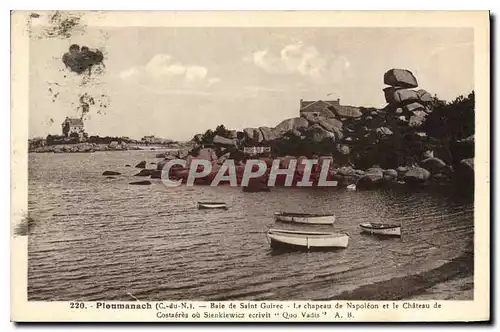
[305, 218]
[381, 229]
[306, 239]
[211, 205]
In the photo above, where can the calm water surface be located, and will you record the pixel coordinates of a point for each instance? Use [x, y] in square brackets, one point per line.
[96, 238]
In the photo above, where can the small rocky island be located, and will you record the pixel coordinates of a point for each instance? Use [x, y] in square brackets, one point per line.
[74, 139]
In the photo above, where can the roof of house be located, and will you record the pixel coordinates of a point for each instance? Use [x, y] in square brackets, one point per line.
[74, 121]
[306, 104]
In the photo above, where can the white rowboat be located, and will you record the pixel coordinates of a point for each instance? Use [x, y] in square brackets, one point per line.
[305, 218]
[309, 240]
[351, 187]
[211, 205]
[381, 229]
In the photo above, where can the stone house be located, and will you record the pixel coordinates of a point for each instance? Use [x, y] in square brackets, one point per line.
[72, 126]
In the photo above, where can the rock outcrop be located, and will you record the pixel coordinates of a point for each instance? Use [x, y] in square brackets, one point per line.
[394, 137]
[224, 141]
[417, 175]
[433, 165]
[111, 173]
[143, 183]
[144, 172]
[142, 164]
[400, 78]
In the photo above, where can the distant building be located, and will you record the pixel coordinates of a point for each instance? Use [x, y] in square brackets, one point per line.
[256, 149]
[72, 126]
[316, 106]
[151, 139]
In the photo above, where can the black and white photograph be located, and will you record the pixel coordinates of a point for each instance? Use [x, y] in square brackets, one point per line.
[252, 163]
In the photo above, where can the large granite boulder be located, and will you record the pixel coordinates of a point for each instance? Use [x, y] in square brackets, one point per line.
[250, 133]
[373, 177]
[224, 141]
[311, 118]
[433, 165]
[414, 107]
[347, 171]
[424, 96]
[327, 113]
[319, 134]
[346, 111]
[268, 134]
[417, 174]
[330, 124]
[402, 170]
[290, 125]
[401, 78]
[420, 114]
[390, 174]
[398, 96]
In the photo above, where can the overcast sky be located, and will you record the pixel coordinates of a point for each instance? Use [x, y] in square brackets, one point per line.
[176, 82]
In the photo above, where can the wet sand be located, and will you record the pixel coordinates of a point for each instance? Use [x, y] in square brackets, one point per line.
[420, 284]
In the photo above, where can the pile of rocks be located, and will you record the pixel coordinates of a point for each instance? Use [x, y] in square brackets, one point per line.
[407, 104]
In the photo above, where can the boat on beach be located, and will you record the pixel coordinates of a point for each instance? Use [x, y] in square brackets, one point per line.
[305, 218]
[351, 187]
[306, 239]
[211, 205]
[381, 229]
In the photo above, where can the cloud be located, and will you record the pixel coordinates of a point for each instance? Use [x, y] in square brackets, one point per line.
[129, 72]
[163, 69]
[214, 80]
[300, 59]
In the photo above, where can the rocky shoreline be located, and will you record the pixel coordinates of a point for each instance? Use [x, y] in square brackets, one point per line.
[415, 139]
[82, 148]
[93, 147]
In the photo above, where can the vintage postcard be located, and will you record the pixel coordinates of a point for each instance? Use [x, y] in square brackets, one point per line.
[250, 166]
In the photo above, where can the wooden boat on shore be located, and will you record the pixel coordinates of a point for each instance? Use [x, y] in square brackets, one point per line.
[211, 205]
[381, 229]
[306, 240]
[305, 218]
